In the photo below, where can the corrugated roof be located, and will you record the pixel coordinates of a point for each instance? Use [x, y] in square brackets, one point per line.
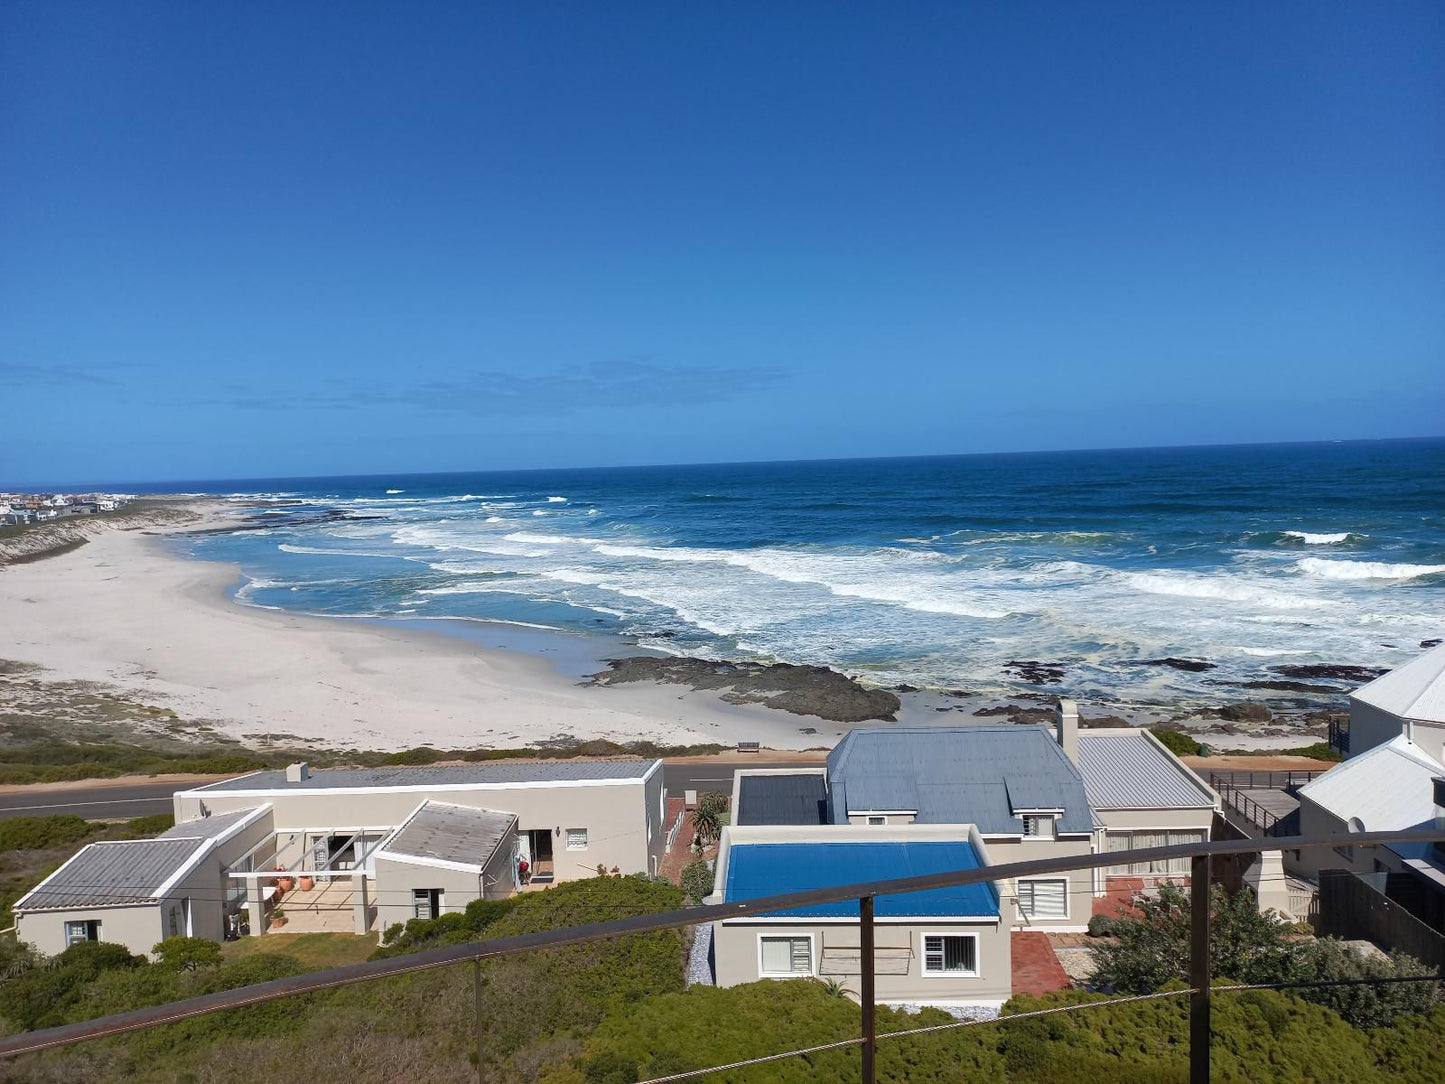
[945, 767]
[112, 873]
[755, 870]
[876, 794]
[1127, 770]
[1413, 691]
[783, 799]
[208, 827]
[452, 833]
[496, 771]
[1387, 788]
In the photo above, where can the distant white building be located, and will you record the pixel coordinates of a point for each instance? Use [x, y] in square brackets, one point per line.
[1409, 700]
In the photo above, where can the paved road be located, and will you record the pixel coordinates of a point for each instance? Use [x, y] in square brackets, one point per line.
[92, 803]
[122, 803]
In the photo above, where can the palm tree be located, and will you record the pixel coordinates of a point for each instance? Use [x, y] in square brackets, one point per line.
[708, 818]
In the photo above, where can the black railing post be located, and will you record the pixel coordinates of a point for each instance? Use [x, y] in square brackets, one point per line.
[866, 994]
[477, 994]
[1199, 969]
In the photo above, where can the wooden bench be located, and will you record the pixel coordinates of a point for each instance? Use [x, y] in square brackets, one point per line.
[749, 746]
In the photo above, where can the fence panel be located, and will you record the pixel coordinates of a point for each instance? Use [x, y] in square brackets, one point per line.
[1350, 907]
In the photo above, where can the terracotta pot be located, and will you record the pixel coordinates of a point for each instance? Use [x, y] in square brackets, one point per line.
[307, 883]
[284, 883]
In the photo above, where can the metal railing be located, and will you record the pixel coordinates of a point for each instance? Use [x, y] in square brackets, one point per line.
[1252, 811]
[1198, 991]
[1264, 780]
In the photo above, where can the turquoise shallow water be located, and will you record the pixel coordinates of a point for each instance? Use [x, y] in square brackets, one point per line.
[935, 572]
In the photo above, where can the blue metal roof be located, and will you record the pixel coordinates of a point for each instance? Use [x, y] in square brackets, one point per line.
[755, 870]
[983, 775]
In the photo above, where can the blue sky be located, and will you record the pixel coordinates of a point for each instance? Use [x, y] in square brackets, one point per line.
[286, 239]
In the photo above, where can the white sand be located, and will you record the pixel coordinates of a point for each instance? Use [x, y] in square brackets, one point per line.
[125, 611]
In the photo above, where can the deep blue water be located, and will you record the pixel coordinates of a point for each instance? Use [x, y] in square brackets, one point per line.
[930, 571]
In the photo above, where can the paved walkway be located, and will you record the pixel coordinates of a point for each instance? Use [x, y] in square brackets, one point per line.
[681, 853]
[1036, 970]
[1119, 893]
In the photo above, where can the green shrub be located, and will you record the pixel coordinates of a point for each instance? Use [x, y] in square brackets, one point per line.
[1101, 925]
[1364, 1006]
[45, 996]
[187, 953]
[1320, 750]
[697, 880]
[1176, 741]
[1153, 949]
[154, 825]
[40, 833]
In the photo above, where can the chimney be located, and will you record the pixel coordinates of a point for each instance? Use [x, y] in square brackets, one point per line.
[298, 772]
[1066, 727]
[1407, 728]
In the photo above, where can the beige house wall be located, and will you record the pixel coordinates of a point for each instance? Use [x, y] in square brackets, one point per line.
[137, 928]
[898, 961]
[736, 945]
[1143, 820]
[1080, 887]
[623, 819]
[396, 879]
[207, 886]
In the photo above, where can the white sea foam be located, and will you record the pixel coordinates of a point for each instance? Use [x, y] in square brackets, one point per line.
[1364, 570]
[396, 491]
[1186, 585]
[494, 519]
[556, 500]
[1319, 539]
[539, 512]
[291, 547]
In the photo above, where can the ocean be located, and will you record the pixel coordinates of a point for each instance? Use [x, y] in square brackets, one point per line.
[933, 572]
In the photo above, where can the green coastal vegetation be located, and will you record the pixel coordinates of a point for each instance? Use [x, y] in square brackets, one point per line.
[617, 1011]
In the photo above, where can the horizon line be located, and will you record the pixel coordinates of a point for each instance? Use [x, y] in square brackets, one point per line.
[72, 486]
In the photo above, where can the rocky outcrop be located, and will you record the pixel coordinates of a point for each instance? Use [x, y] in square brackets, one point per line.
[801, 690]
[1192, 666]
[1036, 673]
[1359, 675]
[1244, 713]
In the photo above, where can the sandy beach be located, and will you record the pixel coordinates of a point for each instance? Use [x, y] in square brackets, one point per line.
[125, 611]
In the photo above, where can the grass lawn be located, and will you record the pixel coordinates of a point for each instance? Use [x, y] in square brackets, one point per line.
[315, 950]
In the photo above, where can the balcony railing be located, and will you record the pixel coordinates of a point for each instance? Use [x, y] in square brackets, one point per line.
[1199, 990]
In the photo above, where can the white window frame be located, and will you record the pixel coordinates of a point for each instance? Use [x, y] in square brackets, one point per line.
[84, 924]
[1043, 820]
[436, 908]
[812, 971]
[571, 832]
[923, 937]
[1068, 904]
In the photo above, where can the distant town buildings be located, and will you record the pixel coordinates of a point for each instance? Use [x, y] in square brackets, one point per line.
[22, 509]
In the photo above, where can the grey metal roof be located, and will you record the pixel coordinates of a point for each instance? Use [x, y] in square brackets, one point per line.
[783, 799]
[452, 833]
[112, 873]
[208, 827]
[494, 771]
[959, 775]
[1129, 771]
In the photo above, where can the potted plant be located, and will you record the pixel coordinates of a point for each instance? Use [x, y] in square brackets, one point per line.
[305, 883]
[278, 918]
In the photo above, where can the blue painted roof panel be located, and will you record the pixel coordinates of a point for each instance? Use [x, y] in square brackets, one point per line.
[755, 870]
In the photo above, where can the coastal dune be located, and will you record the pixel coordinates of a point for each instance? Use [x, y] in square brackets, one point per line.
[126, 612]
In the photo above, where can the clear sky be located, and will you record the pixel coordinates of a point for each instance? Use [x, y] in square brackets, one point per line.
[302, 238]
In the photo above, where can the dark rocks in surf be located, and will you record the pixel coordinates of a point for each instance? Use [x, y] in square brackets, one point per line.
[801, 690]
[1431, 643]
[1244, 713]
[1035, 672]
[1331, 671]
[1293, 687]
[1192, 666]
